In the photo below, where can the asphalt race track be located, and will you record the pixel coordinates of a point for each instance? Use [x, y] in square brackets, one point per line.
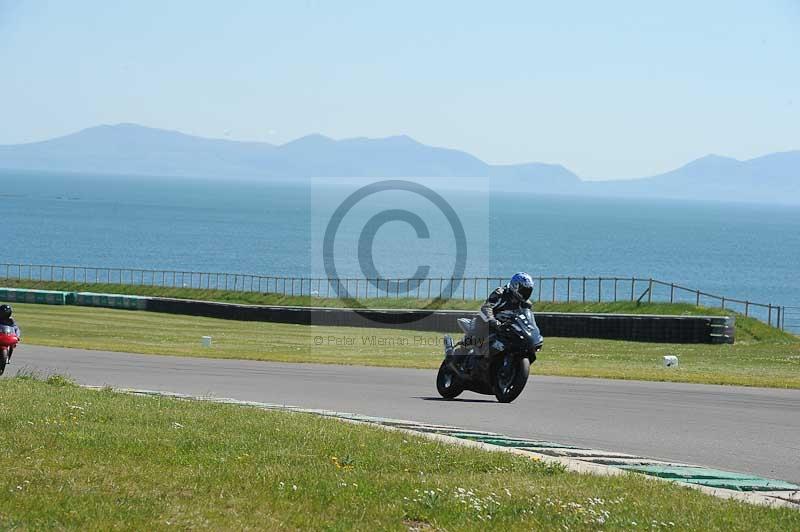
[750, 430]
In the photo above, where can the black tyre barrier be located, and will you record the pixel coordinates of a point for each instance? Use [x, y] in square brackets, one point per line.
[633, 327]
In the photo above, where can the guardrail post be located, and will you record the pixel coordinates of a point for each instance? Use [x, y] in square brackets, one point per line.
[599, 289]
[650, 292]
[583, 290]
[723, 303]
[769, 314]
[746, 308]
[672, 292]
[698, 298]
[569, 283]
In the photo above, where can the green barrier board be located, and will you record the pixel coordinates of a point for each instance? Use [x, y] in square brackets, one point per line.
[714, 478]
[22, 295]
[751, 484]
[502, 441]
[91, 299]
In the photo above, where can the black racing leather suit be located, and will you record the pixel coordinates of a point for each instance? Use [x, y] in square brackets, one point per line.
[498, 301]
[486, 323]
[9, 322]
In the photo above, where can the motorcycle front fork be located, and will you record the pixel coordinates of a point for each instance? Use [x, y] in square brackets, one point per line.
[449, 346]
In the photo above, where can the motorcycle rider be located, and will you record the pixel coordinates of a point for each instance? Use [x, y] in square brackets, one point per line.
[513, 296]
[8, 321]
[510, 297]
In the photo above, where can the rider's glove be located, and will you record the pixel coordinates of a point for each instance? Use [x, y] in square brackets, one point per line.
[494, 324]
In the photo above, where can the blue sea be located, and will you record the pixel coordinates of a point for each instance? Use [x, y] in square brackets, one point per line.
[744, 251]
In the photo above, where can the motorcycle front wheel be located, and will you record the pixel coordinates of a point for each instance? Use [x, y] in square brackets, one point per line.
[3, 360]
[447, 382]
[509, 377]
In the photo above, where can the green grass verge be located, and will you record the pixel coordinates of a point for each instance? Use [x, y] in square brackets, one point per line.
[773, 362]
[97, 460]
[746, 328]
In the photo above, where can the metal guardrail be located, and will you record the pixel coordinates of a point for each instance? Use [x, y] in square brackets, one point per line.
[790, 319]
[548, 288]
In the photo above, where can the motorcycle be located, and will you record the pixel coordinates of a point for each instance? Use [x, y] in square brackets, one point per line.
[498, 364]
[8, 341]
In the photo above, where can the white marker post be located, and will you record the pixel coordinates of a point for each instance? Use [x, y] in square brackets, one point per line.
[670, 361]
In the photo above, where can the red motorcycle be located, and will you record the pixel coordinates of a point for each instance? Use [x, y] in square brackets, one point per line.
[8, 341]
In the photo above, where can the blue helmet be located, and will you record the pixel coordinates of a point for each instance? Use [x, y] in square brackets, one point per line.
[521, 286]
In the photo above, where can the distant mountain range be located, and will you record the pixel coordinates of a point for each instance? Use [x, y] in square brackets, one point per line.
[131, 149]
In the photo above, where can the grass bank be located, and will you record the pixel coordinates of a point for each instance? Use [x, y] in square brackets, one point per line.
[88, 460]
[762, 358]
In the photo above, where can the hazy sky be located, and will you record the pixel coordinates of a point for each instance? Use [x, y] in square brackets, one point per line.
[609, 89]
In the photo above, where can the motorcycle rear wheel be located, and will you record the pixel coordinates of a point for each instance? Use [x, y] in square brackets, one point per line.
[447, 382]
[509, 377]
